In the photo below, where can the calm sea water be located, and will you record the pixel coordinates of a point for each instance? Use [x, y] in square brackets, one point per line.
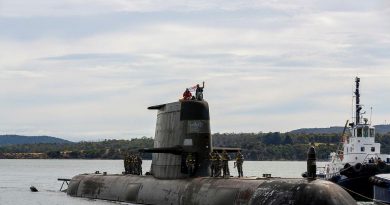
[16, 177]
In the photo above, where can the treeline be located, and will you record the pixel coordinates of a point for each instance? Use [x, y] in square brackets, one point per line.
[278, 146]
[107, 149]
[287, 146]
[255, 146]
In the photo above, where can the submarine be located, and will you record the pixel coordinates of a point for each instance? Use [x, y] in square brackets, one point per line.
[183, 127]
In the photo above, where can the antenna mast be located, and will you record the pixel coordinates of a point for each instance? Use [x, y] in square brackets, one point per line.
[357, 95]
[371, 116]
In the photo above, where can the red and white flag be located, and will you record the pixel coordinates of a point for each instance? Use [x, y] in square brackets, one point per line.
[192, 89]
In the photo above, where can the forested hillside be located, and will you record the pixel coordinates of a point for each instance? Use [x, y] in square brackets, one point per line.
[255, 146]
[17, 139]
[107, 149]
[278, 146]
[287, 146]
[380, 129]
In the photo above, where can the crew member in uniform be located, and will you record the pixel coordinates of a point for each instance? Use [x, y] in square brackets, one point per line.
[225, 163]
[132, 164]
[187, 94]
[190, 163]
[199, 92]
[126, 163]
[218, 164]
[214, 164]
[139, 164]
[239, 162]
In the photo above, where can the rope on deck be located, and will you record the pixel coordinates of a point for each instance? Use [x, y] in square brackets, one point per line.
[363, 196]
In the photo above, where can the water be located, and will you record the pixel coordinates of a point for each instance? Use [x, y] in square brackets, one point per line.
[16, 177]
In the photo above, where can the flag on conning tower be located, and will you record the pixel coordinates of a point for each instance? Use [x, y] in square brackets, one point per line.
[192, 89]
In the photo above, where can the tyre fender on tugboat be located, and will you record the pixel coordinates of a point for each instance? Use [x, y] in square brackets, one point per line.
[357, 167]
[346, 169]
[381, 166]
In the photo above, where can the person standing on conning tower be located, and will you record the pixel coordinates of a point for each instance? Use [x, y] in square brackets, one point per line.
[187, 94]
[199, 92]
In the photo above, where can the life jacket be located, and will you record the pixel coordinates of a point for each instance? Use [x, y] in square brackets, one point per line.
[187, 94]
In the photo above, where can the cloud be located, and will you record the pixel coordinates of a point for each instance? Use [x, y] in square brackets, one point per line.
[90, 56]
[87, 70]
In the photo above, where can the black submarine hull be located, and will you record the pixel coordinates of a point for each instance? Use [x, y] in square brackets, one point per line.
[207, 190]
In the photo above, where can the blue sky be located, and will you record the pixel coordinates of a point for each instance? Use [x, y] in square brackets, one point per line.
[87, 70]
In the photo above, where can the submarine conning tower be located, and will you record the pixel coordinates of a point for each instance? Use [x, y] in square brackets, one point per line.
[182, 127]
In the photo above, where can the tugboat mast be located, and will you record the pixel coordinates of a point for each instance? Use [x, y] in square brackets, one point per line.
[357, 97]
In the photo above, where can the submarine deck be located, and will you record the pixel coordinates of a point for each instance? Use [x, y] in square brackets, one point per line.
[147, 189]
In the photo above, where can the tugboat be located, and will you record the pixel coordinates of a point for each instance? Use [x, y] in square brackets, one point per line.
[360, 157]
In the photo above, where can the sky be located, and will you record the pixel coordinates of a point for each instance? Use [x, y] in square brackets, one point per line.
[87, 70]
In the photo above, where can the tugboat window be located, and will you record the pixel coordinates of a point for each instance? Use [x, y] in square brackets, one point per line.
[365, 132]
[372, 149]
[362, 149]
[372, 134]
[359, 132]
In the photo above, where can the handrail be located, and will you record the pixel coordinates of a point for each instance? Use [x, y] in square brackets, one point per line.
[365, 159]
[64, 181]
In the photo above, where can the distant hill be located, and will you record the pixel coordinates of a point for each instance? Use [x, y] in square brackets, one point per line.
[381, 129]
[328, 130]
[18, 139]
